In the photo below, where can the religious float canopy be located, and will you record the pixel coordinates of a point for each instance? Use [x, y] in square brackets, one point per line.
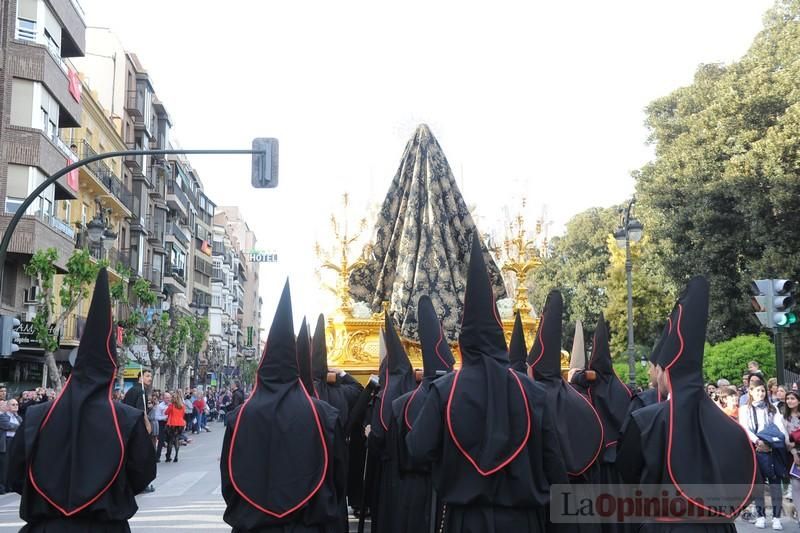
[420, 244]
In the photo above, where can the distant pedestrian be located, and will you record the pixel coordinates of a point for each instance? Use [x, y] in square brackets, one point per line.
[175, 424]
[237, 398]
[161, 419]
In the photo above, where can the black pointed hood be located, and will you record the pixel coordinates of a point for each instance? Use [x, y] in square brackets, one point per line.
[517, 351]
[279, 400]
[608, 394]
[319, 358]
[397, 375]
[695, 420]
[304, 358]
[436, 357]
[545, 356]
[79, 448]
[481, 330]
[581, 432]
[436, 354]
[97, 351]
[279, 360]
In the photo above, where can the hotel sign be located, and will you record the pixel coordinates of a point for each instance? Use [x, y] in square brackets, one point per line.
[260, 256]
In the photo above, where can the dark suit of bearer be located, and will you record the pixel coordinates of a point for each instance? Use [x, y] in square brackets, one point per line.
[487, 429]
[79, 460]
[415, 503]
[282, 462]
[667, 443]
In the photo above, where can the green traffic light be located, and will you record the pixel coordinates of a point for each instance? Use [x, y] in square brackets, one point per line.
[792, 318]
[785, 320]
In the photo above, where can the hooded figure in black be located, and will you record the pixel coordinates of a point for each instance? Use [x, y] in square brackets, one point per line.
[607, 393]
[579, 428]
[304, 359]
[487, 429]
[341, 391]
[282, 462]
[397, 377]
[415, 495]
[79, 460]
[686, 443]
[517, 351]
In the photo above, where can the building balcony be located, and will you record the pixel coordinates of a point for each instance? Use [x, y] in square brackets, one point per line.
[73, 26]
[39, 233]
[153, 275]
[174, 279]
[135, 162]
[134, 103]
[155, 230]
[31, 147]
[72, 330]
[174, 233]
[35, 62]
[177, 199]
[118, 260]
[106, 183]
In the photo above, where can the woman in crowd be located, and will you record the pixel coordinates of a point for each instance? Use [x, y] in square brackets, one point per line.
[728, 398]
[9, 422]
[791, 416]
[759, 417]
[175, 423]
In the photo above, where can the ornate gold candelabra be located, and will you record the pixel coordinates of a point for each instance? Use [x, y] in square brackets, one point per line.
[521, 258]
[344, 267]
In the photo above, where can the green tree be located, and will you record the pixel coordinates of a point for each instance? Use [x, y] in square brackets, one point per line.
[197, 334]
[720, 194]
[75, 285]
[728, 359]
[141, 322]
[576, 264]
[653, 296]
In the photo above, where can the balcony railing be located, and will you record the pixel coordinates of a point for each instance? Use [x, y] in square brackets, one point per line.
[152, 274]
[174, 230]
[117, 259]
[155, 229]
[62, 146]
[176, 273]
[134, 103]
[172, 188]
[57, 224]
[106, 176]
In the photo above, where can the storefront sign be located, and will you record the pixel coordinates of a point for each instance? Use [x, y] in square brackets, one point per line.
[27, 335]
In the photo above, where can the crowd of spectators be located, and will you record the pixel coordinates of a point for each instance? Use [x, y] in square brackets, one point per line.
[770, 414]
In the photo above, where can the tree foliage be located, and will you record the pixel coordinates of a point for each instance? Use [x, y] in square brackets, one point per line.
[653, 295]
[720, 194]
[75, 286]
[576, 265]
[728, 359]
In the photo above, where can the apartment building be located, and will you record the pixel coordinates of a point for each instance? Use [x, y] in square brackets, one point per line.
[40, 93]
[243, 240]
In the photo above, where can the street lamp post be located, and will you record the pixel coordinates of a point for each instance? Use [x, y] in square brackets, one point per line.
[630, 230]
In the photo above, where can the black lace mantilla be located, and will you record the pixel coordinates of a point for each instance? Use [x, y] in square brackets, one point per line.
[421, 242]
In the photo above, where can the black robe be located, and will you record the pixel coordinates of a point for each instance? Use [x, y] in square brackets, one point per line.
[510, 500]
[112, 510]
[283, 454]
[321, 514]
[79, 460]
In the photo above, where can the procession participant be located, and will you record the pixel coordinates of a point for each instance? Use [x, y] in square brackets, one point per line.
[517, 351]
[667, 443]
[581, 431]
[396, 378]
[304, 359]
[487, 429]
[416, 503]
[341, 391]
[611, 398]
[78, 461]
[282, 461]
[338, 388]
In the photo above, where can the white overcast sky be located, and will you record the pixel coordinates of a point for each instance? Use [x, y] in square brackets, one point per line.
[543, 99]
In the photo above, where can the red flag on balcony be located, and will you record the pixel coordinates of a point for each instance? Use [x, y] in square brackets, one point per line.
[74, 85]
[72, 177]
[206, 248]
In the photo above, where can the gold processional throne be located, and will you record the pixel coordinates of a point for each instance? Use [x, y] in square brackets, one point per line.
[353, 332]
